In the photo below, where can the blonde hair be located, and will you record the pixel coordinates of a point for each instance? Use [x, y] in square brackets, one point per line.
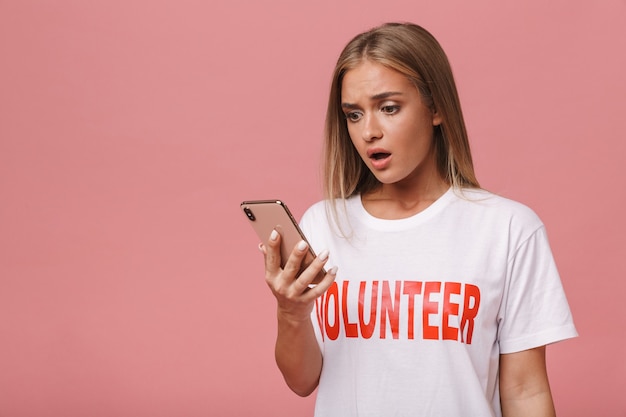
[414, 52]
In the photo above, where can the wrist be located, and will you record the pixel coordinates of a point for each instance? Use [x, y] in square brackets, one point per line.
[293, 318]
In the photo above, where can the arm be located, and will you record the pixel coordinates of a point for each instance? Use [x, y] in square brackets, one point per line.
[298, 355]
[524, 387]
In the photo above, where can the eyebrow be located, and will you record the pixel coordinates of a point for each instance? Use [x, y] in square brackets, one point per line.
[379, 96]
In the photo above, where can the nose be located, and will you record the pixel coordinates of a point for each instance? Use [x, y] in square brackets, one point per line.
[371, 129]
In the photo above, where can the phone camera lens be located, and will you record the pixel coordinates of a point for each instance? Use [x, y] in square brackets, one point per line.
[249, 214]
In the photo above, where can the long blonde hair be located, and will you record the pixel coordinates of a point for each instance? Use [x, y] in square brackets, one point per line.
[414, 52]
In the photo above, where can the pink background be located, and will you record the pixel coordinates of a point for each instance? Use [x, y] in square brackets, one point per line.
[130, 283]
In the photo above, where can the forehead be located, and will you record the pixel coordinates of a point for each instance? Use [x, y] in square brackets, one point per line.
[370, 78]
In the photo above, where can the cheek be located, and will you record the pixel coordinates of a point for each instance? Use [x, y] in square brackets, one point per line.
[352, 132]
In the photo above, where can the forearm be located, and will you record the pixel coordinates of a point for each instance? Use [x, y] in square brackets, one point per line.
[524, 386]
[298, 355]
[537, 405]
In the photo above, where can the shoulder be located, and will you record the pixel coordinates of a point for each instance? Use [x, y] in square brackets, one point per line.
[314, 218]
[483, 200]
[326, 217]
[486, 207]
[324, 210]
[316, 211]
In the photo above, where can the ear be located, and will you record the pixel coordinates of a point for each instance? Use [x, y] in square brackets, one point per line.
[437, 119]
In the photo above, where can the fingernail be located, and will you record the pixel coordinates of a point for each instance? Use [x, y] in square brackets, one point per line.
[274, 235]
[333, 270]
[261, 247]
[323, 255]
[302, 245]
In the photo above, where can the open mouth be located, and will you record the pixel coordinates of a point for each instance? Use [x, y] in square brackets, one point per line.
[379, 155]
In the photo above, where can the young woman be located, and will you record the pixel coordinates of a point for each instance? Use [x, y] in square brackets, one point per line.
[440, 297]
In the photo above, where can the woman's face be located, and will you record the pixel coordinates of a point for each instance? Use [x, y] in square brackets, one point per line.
[389, 125]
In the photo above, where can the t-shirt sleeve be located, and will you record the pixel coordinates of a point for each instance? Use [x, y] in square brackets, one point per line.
[535, 311]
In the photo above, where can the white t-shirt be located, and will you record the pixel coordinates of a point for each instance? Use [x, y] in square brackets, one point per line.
[422, 307]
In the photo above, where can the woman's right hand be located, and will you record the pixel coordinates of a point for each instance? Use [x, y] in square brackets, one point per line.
[294, 293]
[298, 354]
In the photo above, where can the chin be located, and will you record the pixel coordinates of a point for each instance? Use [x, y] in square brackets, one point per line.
[387, 176]
[387, 180]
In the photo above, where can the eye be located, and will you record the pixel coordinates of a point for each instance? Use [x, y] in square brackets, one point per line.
[353, 116]
[390, 109]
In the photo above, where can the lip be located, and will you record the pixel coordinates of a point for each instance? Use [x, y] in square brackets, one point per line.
[379, 163]
[372, 151]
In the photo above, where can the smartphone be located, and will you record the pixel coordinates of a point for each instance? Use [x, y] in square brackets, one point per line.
[267, 215]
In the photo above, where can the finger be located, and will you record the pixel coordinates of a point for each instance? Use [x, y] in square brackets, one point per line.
[313, 271]
[294, 262]
[320, 288]
[272, 253]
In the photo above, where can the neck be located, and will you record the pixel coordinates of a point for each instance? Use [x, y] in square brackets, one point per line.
[398, 201]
